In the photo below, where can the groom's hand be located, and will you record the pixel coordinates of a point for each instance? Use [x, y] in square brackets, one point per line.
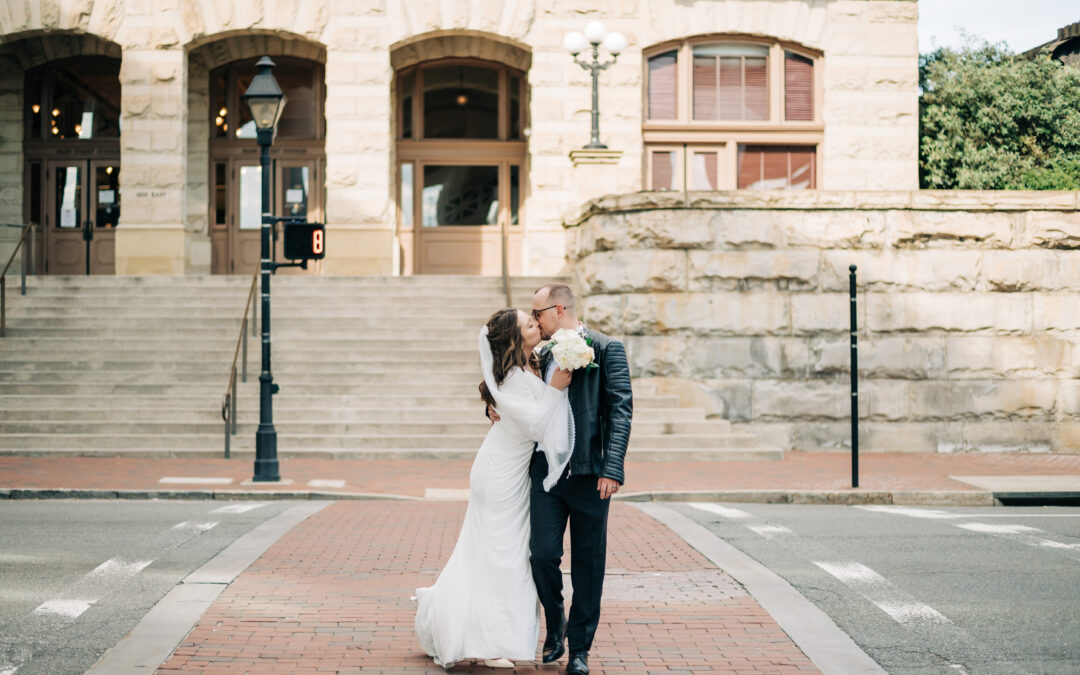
[607, 487]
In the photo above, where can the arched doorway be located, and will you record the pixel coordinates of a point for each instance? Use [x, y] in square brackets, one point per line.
[461, 161]
[72, 162]
[298, 158]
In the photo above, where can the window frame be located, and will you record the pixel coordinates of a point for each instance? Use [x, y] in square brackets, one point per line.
[687, 134]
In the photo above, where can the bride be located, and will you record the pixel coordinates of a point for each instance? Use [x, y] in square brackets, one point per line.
[484, 604]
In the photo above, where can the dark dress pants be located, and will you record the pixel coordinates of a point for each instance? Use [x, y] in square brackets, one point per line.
[574, 499]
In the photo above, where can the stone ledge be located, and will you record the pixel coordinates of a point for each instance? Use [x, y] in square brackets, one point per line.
[583, 156]
[821, 200]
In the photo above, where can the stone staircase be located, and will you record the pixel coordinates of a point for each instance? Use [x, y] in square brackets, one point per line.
[369, 367]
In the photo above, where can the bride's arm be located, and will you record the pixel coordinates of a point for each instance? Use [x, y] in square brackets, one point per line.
[527, 405]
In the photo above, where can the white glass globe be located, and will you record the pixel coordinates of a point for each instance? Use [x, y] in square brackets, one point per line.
[575, 42]
[595, 32]
[615, 43]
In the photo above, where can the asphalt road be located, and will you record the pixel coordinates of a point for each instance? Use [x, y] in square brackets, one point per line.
[76, 576]
[927, 590]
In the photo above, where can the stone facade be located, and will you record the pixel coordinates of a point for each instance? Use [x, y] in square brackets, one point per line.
[969, 318]
[869, 112]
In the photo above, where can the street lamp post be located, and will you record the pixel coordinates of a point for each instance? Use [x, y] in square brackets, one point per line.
[266, 101]
[575, 43]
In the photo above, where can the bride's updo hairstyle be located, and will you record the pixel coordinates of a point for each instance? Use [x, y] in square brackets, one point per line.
[507, 349]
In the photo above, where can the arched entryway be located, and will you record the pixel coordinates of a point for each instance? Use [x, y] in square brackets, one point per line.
[461, 158]
[221, 72]
[71, 146]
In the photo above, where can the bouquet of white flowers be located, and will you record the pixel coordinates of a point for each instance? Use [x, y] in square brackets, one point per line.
[572, 350]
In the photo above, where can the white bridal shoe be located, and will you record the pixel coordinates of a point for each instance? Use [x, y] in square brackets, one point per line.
[498, 663]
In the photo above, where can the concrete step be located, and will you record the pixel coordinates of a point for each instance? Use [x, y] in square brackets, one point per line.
[284, 376]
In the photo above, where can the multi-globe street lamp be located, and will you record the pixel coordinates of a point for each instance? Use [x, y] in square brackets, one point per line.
[266, 101]
[575, 43]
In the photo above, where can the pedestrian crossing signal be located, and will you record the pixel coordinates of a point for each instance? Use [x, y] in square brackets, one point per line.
[305, 241]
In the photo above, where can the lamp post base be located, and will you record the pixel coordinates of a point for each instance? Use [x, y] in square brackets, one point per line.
[266, 463]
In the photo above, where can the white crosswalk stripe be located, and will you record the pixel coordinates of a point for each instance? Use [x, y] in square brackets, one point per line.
[239, 508]
[902, 607]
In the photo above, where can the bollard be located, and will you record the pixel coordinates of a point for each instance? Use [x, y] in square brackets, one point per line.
[854, 383]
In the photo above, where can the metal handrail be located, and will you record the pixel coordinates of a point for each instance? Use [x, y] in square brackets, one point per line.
[27, 229]
[228, 401]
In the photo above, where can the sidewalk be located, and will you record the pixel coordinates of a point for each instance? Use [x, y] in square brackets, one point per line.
[333, 595]
[800, 477]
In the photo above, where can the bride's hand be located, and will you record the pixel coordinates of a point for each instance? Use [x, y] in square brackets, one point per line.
[560, 379]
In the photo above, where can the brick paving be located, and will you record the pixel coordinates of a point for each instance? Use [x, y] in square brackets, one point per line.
[333, 595]
[410, 478]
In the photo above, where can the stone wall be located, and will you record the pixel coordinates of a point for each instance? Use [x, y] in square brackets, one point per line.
[969, 316]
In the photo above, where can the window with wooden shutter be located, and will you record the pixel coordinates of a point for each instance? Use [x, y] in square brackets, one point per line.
[731, 82]
[798, 87]
[663, 86]
[771, 167]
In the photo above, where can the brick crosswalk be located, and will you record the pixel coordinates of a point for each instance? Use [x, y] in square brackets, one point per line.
[333, 595]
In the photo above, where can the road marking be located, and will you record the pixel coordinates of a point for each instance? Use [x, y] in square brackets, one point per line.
[986, 528]
[70, 609]
[929, 514]
[326, 483]
[903, 608]
[119, 568]
[195, 480]
[723, 511]
[1031, 536]
[239, 508]
[770, 531]
[189, 525]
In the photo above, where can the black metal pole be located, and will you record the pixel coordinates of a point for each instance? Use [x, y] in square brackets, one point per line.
[854, 383]
[266, 461]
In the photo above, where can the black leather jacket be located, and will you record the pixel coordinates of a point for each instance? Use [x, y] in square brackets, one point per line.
[603, 406]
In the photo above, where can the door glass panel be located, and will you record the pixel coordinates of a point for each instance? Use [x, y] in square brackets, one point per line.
[219, 193]
[514, 194]
[460, 195]
[250, 197]
[35, 193]
[461, 102]
[407, 195]
[68, 196]
[295, 191]
[107, 185]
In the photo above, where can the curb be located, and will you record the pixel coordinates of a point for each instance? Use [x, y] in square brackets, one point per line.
[834, 497]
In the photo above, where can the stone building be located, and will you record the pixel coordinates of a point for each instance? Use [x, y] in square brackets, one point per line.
[424, 133]
[1065, 47]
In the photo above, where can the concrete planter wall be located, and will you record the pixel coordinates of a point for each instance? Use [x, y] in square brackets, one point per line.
[968, 309]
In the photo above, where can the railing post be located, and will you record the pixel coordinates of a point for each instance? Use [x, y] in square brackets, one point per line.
[854, 382]
[225, 408]
[232, 413]
[22, 274]
[243, 373]
[3, 305]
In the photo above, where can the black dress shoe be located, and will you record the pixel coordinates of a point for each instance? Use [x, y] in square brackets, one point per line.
[555, 644]
[579, 664]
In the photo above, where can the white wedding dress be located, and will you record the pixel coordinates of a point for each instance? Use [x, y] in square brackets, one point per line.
[484, 604]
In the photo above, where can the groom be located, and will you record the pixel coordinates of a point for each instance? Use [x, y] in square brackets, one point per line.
[602, 404]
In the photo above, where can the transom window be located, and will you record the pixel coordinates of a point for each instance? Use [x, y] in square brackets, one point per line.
[73, 99]
[301, 81]
[722, 112]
